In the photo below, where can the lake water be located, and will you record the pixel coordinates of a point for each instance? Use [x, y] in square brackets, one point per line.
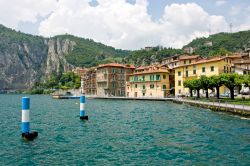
[121, 132]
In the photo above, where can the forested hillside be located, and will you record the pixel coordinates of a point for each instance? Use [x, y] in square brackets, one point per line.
[145, 57]
[222, 43]
[87, 52]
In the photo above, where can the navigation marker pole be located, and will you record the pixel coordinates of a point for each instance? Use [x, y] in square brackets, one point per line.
[82, 108]
[26, 135]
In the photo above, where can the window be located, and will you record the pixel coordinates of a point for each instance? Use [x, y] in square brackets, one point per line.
[224, 69]
[194, 71]
[187, 73]
[203, 69]
[135, 85]
[136, 78]
[190, 61]
[185, 62]
[113, 70]
[194, 66]
[212, 68]
[143, 87]
[151, 77]
[164, 87]
[179, 91]
[143, 94]
[152, 86]
[179, 73]
[113, 84]
[179, 82]
[143, 78]
[158, 77]
[164, 76]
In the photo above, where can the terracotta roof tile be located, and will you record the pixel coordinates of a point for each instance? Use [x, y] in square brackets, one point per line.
[212, 59]
[116, 65]
[184, 57]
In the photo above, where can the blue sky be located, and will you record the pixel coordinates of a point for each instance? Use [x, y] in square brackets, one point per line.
[127, 24]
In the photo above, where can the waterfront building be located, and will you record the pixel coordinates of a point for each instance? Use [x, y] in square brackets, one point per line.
[89, 82]
[80, 71]
[189, 50]
[111, 79]
[207, 66]
[150, 81]
[241, 66]
[179, 60]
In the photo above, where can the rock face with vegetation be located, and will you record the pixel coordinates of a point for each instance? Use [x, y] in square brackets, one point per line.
[27, 59]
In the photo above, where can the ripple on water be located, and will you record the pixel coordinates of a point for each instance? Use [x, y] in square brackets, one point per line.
[122, 133]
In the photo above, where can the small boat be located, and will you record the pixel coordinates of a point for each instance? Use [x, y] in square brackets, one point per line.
[67, 95]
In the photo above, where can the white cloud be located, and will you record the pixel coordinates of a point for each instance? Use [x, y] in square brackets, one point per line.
[115, 22]
[220, 2]
[127, 26]
[184, 22]
[244, 26]
[14, 11]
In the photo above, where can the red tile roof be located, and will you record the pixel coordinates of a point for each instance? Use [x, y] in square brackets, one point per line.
[212, 59]
[185, 57]
[116, 65]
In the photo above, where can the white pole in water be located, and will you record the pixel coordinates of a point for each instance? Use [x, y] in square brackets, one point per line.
[26, 120]
[82, 108]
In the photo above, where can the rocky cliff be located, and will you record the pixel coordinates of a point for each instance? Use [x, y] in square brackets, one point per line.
[26, 59]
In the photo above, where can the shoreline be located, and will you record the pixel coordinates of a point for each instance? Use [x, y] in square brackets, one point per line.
[234, 109]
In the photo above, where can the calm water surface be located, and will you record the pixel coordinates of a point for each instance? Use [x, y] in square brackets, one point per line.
[121, 133]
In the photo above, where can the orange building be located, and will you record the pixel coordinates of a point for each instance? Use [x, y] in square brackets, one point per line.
[111, 79]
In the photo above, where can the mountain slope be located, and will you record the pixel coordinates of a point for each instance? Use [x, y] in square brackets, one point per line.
[26, 59]
[88, 53]
[232, 42]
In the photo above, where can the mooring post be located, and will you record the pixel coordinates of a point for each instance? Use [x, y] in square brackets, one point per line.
[26, 120]
[82, 108]
[25, 115]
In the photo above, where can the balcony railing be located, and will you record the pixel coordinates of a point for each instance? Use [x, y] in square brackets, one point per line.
[101, 80]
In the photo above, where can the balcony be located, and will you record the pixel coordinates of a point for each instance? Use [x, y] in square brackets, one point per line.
[101, 80]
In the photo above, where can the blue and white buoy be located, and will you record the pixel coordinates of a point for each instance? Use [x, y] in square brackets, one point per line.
[26, 120]
[82, 108]
[25, 115]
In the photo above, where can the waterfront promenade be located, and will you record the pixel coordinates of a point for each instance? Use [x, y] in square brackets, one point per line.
[218, 106]
[132, 98]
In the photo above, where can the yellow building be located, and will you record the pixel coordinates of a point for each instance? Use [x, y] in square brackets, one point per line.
[149, 82]
[207, 67]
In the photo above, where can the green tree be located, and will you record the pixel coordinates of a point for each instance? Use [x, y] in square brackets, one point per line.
[231, 80]
[246, 80]
[205, 83]
[197, 86]
[215, 82]
[189, 84]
